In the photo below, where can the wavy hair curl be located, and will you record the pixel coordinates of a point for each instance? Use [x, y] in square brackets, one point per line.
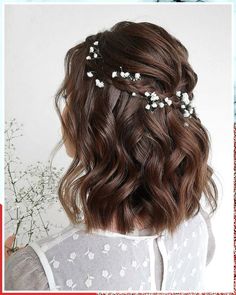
[131, 165]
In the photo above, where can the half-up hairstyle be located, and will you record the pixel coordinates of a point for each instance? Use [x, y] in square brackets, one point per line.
[131, 165]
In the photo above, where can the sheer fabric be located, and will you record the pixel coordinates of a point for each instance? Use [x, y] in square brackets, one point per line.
[108, 261]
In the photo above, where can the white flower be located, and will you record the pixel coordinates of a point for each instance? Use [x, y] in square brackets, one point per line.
[90, 74]
[192, 104]
[154, 105]
[104, 273]
[137, 76]
[56, 264]
[191, 111]
[135, 264]
[95, 55]
[186, 113]
[190, 256]
[75, 236]
[185, 95]
[168, 101]
[88, 283]
[145, 263]
[134, 94]
[183, 106]
[124, 74]
[90, 255]
[154, 96]
[185, 98]
[73, 255]
[107, 247]
[91, 49]
[178, 93]
[161, 104]
[147, 93]
[99, 83]
[95, 42]
[114, 74]
[122, 272]
[69, 283]
[148, 107]
[88, 57]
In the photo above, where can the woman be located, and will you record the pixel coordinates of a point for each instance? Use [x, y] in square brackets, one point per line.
[139, 171]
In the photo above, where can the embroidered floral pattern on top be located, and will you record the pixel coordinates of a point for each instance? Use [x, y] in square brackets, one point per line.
[109, 261]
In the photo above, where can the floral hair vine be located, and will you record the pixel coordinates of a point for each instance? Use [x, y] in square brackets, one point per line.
[186, 106]
[153, 100]
[94, 53]
[125, 75]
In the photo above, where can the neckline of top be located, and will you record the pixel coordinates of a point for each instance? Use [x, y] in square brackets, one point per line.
[136, 234]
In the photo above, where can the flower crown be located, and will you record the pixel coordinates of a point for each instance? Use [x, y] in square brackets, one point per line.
[153, 100]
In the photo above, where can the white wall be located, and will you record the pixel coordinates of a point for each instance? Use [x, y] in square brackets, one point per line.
[37, 38]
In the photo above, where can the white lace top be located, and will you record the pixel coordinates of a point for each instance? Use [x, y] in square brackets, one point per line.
[108, 261]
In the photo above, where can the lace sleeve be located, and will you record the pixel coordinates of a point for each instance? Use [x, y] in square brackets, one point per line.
[24, 271]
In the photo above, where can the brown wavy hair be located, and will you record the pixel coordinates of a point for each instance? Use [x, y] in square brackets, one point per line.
[130, 164]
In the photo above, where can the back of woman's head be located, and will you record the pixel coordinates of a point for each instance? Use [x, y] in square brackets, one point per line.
[131, 163]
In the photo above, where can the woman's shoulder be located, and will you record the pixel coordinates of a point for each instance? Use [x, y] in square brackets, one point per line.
[24, 271]
[77, 234]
